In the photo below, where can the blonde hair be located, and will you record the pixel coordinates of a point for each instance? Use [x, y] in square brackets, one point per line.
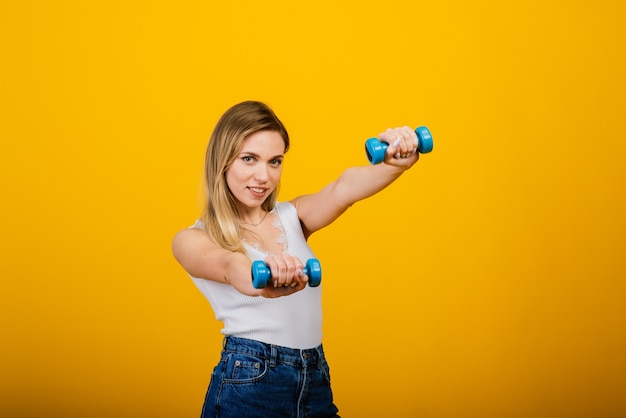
[221, 215]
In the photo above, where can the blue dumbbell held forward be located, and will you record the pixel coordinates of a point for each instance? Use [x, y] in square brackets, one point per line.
[261, 274]
[375, 148]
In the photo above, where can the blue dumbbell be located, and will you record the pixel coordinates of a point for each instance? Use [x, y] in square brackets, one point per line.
[261, 273]
[375, 148]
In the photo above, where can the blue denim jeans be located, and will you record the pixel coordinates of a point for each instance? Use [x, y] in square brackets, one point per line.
[254, 379]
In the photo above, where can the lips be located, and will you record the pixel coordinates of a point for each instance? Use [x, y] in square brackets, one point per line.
[258, 191]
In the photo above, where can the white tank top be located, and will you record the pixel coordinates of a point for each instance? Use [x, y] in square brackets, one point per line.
[291, 321]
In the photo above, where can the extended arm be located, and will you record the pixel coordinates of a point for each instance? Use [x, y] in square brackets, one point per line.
[202, 258]
[357, 183]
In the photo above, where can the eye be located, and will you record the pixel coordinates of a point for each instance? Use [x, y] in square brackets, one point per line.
[276, 162]
[247, 158]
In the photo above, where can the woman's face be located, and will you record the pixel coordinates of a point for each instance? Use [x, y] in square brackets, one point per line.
[256, 171]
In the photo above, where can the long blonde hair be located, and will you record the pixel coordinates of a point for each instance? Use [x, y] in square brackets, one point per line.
[221, 215]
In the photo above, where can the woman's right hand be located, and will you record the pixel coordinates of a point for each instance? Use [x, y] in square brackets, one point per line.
[287, 276]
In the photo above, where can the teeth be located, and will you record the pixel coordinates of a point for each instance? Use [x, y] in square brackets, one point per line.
[257, 190]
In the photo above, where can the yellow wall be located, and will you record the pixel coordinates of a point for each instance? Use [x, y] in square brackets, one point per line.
[487, 282]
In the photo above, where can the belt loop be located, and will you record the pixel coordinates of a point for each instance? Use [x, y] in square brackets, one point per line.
[273, 356]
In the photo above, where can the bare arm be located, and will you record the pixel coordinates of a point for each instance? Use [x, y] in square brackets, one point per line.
[203, 258]
[357, 183]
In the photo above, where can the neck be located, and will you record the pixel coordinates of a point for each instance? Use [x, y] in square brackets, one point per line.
[259, 219]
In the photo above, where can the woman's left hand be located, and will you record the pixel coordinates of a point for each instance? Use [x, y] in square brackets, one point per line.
[402, 150]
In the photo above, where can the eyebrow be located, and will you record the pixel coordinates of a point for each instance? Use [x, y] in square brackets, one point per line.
[253, 154]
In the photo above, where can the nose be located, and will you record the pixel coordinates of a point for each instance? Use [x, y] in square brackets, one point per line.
[261, 174]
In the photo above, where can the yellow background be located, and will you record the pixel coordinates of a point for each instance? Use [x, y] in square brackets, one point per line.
[486, 282]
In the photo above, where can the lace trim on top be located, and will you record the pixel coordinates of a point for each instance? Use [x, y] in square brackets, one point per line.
[281, 239]
[282, 236]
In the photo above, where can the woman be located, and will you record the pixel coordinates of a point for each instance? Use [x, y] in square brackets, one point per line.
[272, 363]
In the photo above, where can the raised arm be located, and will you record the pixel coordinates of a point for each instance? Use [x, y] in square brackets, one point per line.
[357, 183]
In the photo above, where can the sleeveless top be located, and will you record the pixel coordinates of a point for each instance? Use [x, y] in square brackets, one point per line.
[293, 321]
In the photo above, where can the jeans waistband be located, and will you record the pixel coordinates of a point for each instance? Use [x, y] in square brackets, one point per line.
[274, 353]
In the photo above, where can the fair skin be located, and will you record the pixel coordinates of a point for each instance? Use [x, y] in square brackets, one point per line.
[251, 178]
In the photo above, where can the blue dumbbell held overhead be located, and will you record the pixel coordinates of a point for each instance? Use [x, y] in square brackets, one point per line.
[375, 148]
[261, 274]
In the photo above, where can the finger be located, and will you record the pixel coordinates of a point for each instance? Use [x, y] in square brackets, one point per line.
[393, 150]
[295, 271]
[282, 274]
[290, 270]
[300, 278]
[408, 141]
[412, 139]
[296, 286]
[277, 269]
[389, 136]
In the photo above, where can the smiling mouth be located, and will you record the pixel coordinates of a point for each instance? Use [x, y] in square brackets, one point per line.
[257, 190]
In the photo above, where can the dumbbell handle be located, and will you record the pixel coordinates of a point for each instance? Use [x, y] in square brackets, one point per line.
[375, 148]
[261, 274]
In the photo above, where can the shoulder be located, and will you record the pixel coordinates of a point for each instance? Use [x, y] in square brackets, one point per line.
[199, 255]
[286, 206]
[191, 233]
[288, 210]
[191, 240]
